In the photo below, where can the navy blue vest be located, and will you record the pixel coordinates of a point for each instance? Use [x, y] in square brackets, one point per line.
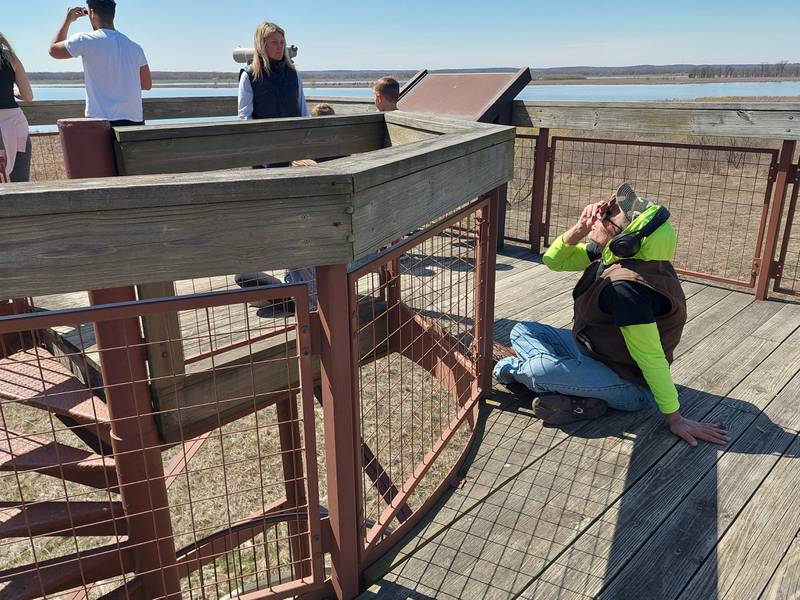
[275, 96]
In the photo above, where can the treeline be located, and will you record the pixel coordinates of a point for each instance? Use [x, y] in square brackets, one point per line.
[781, 69]
[232, 76]
[764, 70]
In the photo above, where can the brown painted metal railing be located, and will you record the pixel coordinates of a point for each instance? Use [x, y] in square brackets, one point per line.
[420, 376]
[206, 515]
[728, 202]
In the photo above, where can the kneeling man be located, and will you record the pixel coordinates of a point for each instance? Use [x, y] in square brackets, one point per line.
[629, 315]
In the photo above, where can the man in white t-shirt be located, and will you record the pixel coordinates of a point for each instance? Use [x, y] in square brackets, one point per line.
[115, 68]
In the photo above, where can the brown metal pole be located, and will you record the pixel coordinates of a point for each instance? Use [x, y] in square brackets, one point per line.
[537, 193]
[342, 433]
[135, 440]
[782, 181]
[136, 445]
[485, 277]
[87, 148]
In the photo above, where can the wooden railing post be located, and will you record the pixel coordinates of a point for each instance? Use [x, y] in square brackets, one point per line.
[135, 439]
[540, 159]
[342, 431]
[782, 181]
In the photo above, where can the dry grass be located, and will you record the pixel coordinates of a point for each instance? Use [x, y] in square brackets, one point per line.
[716, 195]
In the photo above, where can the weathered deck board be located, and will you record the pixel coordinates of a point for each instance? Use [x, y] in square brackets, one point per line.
[632, 521]
[517, 440]
[785, 583]
[551, 502]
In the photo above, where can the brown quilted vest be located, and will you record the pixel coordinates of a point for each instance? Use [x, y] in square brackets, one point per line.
[594, 330]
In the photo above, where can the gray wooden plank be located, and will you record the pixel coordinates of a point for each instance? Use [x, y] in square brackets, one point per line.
[212, 146]
[770, 122]
[550, 472]
[631, 521]
[398, 201]
[47, 112]
[671, 555]
[753, 546]
[48, 254]
[719, 313]
[75, 196]
[785, 583]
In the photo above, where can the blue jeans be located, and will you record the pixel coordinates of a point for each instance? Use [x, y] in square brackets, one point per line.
[548, 361]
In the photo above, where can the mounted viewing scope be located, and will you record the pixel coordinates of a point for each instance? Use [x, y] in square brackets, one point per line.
[245, 55]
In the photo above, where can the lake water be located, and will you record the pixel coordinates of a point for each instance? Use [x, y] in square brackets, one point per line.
[583, 93]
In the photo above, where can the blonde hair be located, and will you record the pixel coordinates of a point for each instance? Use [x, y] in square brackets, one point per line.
[6, 51]
[261, 58]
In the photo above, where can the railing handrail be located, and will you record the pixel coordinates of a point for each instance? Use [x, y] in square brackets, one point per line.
[765, 120]
[172, 227]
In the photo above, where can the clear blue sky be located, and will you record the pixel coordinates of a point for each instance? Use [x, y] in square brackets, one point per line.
[190, 35]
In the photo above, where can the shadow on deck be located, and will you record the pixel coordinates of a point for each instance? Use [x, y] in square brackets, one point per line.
[618, 508]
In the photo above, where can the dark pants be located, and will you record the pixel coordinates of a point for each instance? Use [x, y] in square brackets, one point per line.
[22, 165]
[125, 123]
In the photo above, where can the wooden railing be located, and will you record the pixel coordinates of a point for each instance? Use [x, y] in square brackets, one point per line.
[130, 240]
[774, 259]
[779, 121]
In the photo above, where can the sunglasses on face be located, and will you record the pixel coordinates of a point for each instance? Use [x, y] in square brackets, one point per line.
[607, 216]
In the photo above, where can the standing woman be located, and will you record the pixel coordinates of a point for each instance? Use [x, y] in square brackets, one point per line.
[271, 87]
[15, 153]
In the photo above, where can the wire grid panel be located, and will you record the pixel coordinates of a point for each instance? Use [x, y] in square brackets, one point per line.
[416, 376]
[47, 158]
[230, 318]
[240, 496]
[520, 190]
[787, 279]
[717, 195]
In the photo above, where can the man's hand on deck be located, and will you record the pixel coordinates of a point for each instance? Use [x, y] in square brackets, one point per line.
[691, 431]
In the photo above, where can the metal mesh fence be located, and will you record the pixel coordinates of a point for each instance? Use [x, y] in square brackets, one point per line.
[716, 195]
[47, 159]
[201, 475]
[518, 201]
[416, 367]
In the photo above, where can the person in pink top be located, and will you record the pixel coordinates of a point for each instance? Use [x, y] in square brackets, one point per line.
[15, 143]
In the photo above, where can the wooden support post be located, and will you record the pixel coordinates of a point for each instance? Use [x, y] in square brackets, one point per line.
[485, 276]
[135, 440]
[137, 448]
[782, 181]
[342, 431]
[540, 159]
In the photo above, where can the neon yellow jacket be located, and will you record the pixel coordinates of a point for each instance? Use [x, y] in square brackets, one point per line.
[643, 341]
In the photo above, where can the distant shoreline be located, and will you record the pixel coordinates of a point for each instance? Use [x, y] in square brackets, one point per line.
[631, 80]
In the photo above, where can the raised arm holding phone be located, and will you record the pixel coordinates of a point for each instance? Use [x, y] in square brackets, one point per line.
[115, 67]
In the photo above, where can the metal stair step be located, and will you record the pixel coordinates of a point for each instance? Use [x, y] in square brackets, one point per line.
[65, 573]
[24, 453]
[62, 519]
[36, 378]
